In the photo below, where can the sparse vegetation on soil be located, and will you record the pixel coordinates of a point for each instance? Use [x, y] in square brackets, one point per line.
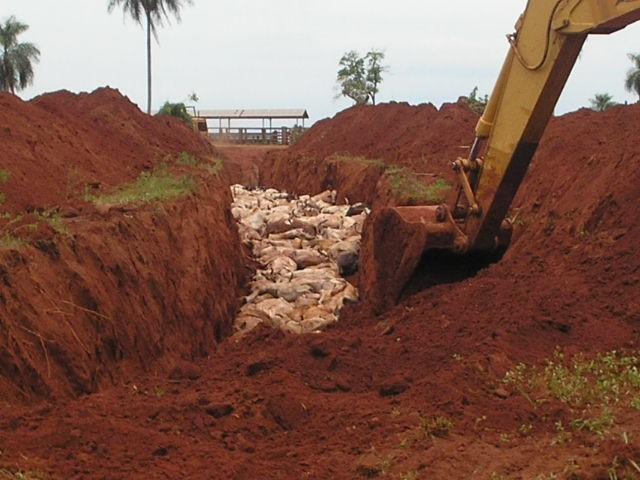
[156, 186]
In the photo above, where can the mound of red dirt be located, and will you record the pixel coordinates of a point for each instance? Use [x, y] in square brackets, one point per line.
[84, 299]
[56, 144]
[418, 136]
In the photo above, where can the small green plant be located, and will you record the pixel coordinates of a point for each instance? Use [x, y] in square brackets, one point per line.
[563, 437]
[21, 475]
[214, 167]
[360, 160]
[405, 183]
[497, 476]
[10, 242]
[592, 387]
[4, 178]
[177, 110]
[55, 220]
[187, 160]
[599, 425]
[525, 429]
[157, 186]
[412, 475]
[435, 426]
[386, 465]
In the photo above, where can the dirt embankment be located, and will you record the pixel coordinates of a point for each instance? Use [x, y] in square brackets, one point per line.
[91, 295]
[58, 143]
[352, 151]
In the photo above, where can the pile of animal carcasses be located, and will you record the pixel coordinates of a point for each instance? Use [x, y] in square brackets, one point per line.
[305, 246]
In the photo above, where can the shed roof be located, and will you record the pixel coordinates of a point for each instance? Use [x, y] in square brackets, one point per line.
[290, 113]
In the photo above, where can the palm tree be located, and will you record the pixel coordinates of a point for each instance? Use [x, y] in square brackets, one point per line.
[601, 102]
[632, 84]
[152, 13]
[16, 59]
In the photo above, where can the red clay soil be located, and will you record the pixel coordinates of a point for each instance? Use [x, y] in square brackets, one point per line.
[352, 403]
[84, 300]
[56, 144]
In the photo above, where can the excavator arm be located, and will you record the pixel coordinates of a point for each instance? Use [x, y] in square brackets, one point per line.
[543, 51]
[548, 39]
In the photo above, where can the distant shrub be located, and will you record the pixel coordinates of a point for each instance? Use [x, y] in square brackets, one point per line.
[177, 110]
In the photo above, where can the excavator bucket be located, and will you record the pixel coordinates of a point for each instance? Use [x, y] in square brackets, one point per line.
[394, 242]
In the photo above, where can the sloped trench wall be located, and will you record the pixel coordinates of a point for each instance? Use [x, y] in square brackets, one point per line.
[125, 292]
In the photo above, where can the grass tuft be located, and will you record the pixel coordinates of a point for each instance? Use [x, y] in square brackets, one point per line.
[10, 242]
[435, 426]
[55, 220]
[592, 388]
[185, 159]
[214, 167]
[405, 183]
[8, 475]
[157, 186]
[360, 160]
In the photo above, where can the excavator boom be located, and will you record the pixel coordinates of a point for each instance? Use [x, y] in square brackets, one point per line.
[542, 53]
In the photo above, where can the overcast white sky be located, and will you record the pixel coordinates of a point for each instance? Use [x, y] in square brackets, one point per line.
[284, 53]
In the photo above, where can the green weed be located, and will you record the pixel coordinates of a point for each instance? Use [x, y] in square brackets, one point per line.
[214, 167]
[413, 475]
[55, 220]
[599, 425]
[4, 178]
[405, 183]
[360, 160]
[435, 426]
[156, 186]
[10, 242]
[8, 475]
[187, 160]
[592, 387]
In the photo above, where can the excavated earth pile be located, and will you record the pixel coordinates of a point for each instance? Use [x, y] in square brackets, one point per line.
[420, 391]
[95, 292]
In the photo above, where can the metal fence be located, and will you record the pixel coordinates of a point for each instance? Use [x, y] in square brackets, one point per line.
[256, 135]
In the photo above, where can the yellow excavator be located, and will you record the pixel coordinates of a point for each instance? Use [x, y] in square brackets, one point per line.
[548, 38]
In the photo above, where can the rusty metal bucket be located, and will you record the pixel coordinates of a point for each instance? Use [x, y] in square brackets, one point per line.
[394, 241]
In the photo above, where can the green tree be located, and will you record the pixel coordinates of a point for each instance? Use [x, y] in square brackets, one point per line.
[16, 59]
[374, 68]
[359, 78]
[152, 13]
[178, 110]
[601, 102]
[477, 103]
[632, 82]
[352, 77]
